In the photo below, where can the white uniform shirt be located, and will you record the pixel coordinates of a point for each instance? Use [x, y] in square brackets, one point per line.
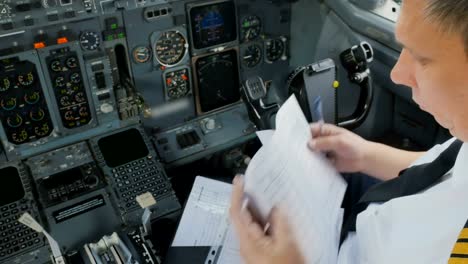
[421, 228]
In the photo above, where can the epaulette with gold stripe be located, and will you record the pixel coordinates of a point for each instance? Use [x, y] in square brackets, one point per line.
[460, 249]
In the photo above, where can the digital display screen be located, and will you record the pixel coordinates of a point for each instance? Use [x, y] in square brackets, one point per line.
[123, 147]
[218, 80]
[11, 187]
[213, 24]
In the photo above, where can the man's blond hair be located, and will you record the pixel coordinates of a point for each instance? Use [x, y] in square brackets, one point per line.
[452, 15]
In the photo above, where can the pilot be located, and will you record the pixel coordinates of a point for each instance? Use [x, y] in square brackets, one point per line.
[420, 215]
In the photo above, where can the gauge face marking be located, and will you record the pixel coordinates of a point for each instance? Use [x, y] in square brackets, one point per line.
[90, 40]
[251, 28]
[252, 56]
[170, 48]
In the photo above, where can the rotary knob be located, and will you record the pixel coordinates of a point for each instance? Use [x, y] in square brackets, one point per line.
[210, 124]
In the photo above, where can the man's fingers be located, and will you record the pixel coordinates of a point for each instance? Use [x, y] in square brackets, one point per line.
[279, 225]
[253, 229]
[326, 144]
[237, 195]
[318, 129]
[236, 206]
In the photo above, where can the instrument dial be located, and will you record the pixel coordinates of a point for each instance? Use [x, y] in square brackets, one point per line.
[90, 40]
[75, 78]
[170, 48]
[251, 27]
[72, 62]
[177, 83]
[37, 115]
[26, 79]
[8, 103]
[32, 97]
[4, 84]
[252, 56]
[19, 137]
[141, 54]
[56, 66]
[15, 121]
[83, 111]
[42, 130]
[274, 49]
[79, 97]
[65, 101]
[60, 82]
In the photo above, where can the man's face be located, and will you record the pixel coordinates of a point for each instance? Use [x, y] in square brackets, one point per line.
[434, 64]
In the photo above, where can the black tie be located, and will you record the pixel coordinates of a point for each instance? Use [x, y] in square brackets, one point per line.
[410, 181]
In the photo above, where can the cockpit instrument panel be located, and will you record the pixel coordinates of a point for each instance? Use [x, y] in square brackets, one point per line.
[212, 24]
[23, 108]
[68, 86]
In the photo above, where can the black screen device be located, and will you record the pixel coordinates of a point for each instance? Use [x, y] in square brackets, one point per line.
[218, 80]
[213, 24]
[123, 147]
[11, 187]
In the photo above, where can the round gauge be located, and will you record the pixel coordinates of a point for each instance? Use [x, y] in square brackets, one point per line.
[90, 40]
[141, 54]
[72, 62]
[37, 115]
[42, 130]
[60, 82]
[170, 48]
[20, 137]
[69, 116]
[14, 121]
[56, 66]
[31, 98]
[26, 79]
[75, 78]
[83, 111]
[252, 56]
[8, 104]
[251, 27]
[65, 101]
[177, 83]
[274, 49]
[79, 97]
[4, 84]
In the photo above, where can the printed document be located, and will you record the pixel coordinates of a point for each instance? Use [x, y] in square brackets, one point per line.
[284, 173]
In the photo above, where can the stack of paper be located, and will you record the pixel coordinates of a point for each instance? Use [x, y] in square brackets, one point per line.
[283, 173]
[205, 219]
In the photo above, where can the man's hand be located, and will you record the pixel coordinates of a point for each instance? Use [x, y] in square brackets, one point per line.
[346, 150]
[256, 247]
